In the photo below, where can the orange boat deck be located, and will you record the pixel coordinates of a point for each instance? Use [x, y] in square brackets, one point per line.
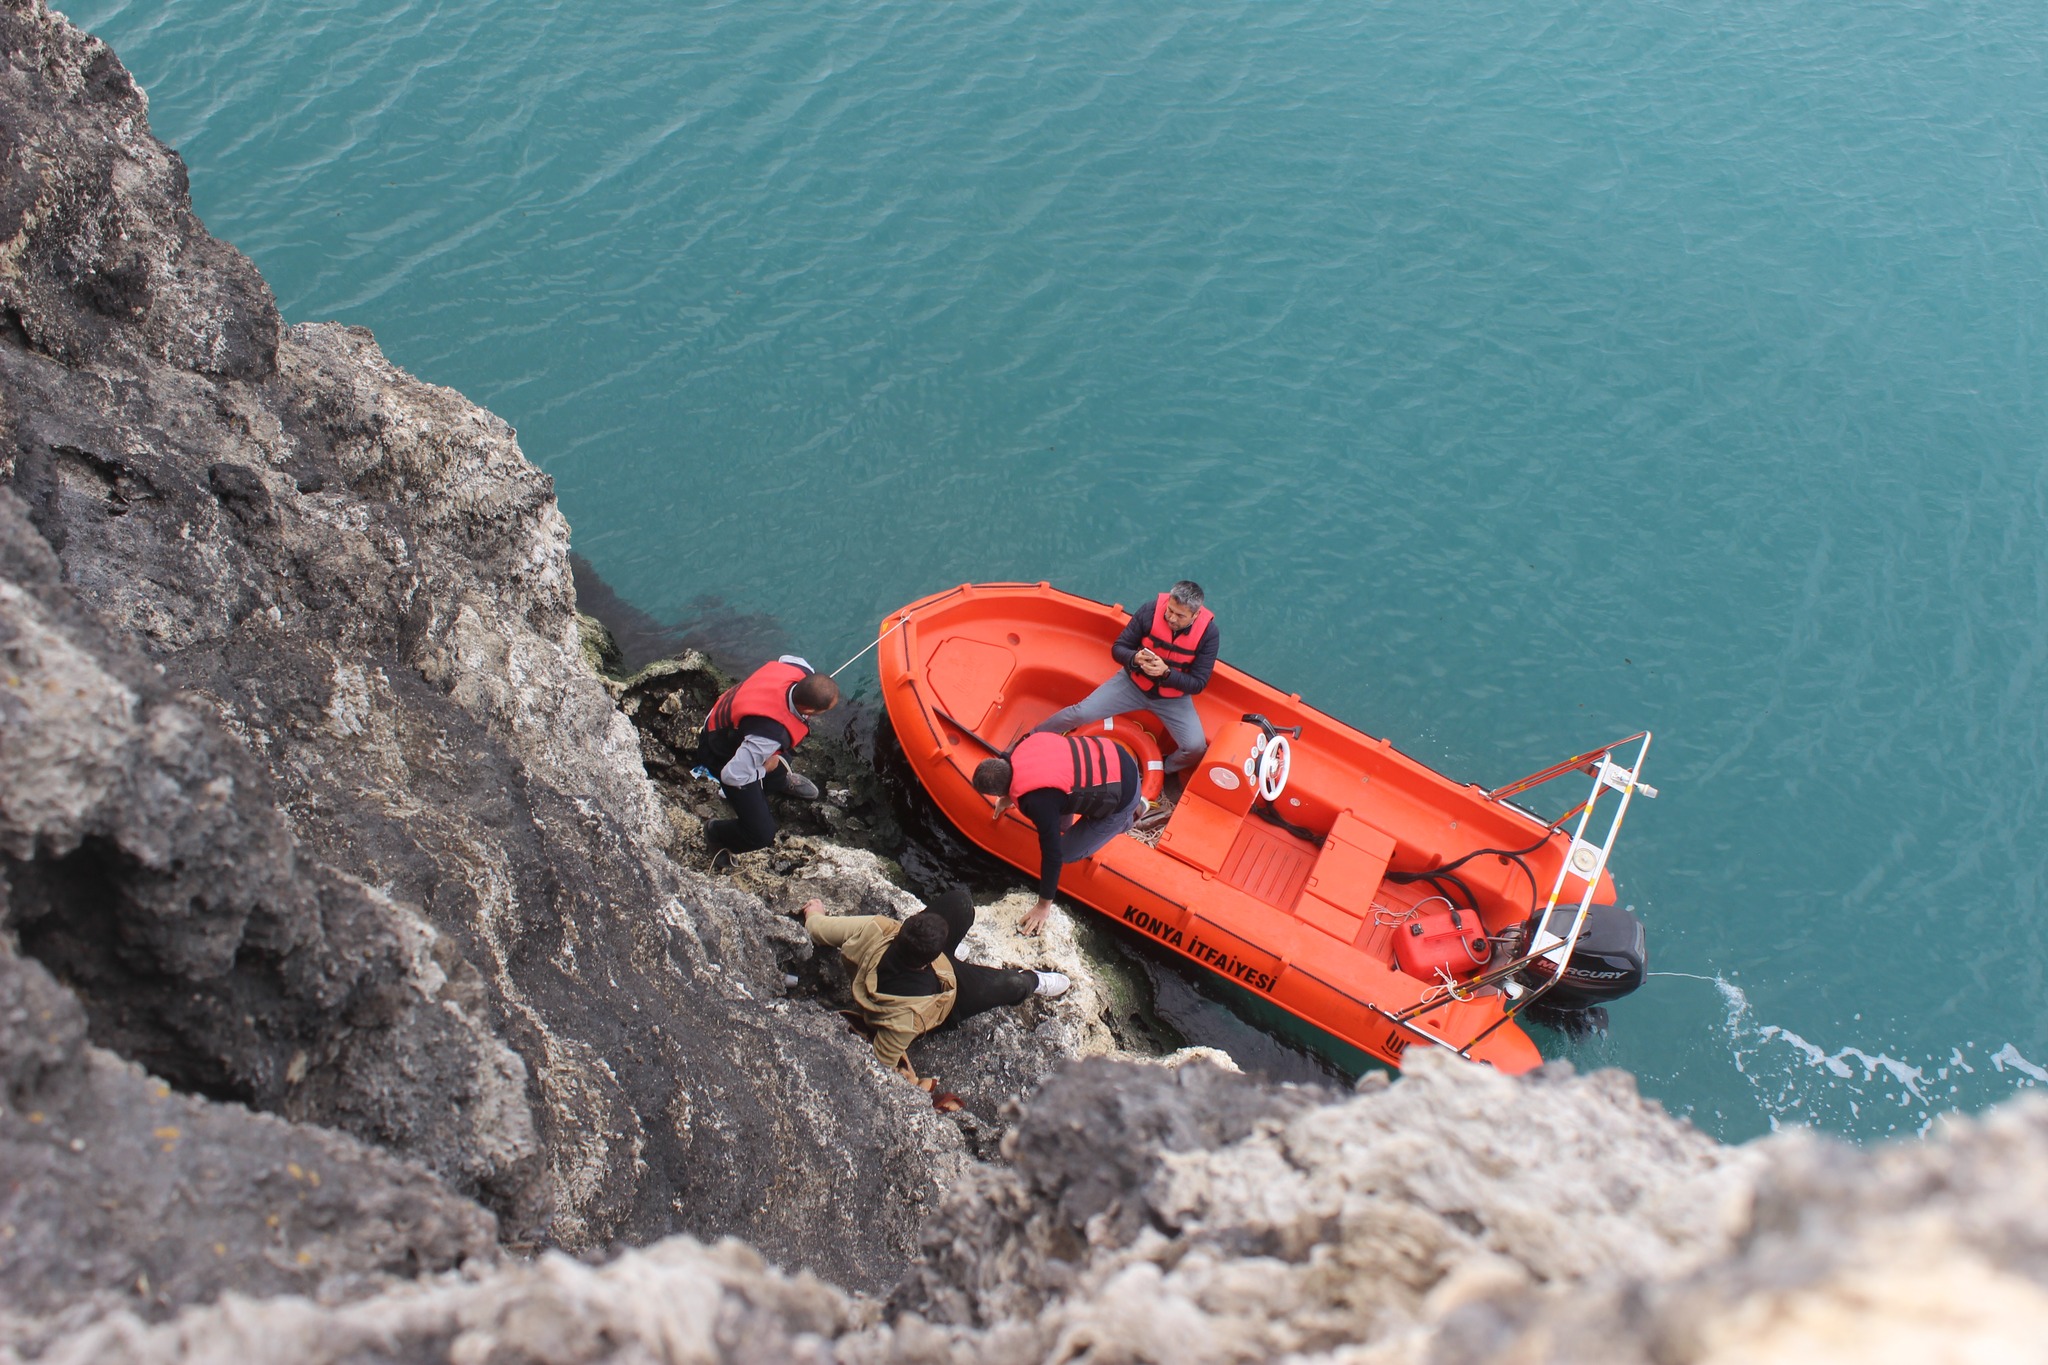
[1309, 927]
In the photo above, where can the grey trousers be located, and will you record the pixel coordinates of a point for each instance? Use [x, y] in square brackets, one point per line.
[1086, 837]
[1119, 695]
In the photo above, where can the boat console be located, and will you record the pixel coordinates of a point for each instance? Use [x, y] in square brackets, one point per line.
[1215, 828]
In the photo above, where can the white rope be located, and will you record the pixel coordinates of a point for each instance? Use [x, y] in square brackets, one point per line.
[870, 645]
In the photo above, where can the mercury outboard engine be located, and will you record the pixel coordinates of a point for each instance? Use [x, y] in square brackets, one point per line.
[1607, 962]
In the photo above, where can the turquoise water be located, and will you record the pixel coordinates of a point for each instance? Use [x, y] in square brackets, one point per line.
[1513, 376]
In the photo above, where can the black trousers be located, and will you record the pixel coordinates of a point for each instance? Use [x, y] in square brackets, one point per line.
[754, 826]
[980, 988]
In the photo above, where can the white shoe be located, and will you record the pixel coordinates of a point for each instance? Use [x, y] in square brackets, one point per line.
[1051, 984]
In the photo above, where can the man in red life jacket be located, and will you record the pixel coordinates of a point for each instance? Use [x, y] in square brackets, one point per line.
[746, 739]
[1081, 791]
[1167, 651]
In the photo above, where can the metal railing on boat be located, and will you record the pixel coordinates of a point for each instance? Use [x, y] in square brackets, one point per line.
[1550, 937]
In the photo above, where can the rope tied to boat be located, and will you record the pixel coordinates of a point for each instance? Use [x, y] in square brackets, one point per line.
[900, 619]
[1445, 988]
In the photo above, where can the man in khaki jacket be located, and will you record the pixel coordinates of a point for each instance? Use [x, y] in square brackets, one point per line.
[906, 980]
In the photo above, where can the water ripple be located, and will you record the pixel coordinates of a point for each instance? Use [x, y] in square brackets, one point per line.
[1514, 375]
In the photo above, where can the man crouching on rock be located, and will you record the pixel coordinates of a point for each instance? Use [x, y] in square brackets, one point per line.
[746, 737]
[906, 980]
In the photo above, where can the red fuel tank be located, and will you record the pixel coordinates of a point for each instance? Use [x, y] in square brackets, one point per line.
[1448, 939]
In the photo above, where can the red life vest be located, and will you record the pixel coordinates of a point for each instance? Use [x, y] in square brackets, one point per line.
[1088, 769]
[764, 695]
[1176, 656]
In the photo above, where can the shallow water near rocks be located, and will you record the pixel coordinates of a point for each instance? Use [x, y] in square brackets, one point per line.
[1513, 376]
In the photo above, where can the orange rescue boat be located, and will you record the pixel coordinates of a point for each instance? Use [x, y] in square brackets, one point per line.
[1308, 862]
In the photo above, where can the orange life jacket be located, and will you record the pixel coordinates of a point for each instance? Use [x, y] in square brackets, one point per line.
[764, 695]
[1088, 769]
[1176, 656]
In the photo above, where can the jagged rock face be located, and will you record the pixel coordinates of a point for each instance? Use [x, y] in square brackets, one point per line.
[144, 860]
[320, 809]
[1196, 1215]
[99, 252]
[117, 1192]
[1191, 1217]
[678, 1302]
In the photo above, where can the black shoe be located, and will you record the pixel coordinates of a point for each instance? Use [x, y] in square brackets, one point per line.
[721, 860]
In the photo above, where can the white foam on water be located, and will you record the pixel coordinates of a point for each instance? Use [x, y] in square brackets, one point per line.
[1804, 1086]
[1815, 1055]
[2009, 1056]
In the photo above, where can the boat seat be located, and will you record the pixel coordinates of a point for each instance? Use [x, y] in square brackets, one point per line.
[1337, 897]
[1211, 811]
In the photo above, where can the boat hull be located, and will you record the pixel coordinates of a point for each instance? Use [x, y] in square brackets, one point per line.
[1308, 924]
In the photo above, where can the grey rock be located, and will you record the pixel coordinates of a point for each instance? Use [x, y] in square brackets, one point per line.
[146, 864]
[103, 258]
[117, 1194]
[1161, 1215]
[311, 796]
[680, 1301]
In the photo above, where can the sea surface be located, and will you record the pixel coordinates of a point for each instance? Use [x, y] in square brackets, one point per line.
[1513, 376]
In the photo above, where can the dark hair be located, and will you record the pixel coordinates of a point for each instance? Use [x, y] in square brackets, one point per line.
[816, 693]
[1187, 592]
[992, 777]
[922, 937]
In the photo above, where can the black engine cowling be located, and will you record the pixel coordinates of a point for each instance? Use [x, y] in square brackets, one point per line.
[1607, 962]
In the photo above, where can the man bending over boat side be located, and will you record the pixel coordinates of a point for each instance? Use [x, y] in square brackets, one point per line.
[1167, 650]
[906, 980]
[1081, 791]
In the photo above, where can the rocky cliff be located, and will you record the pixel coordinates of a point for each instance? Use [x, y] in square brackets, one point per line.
[1193, 1217]
[308, 798]
[349, 959]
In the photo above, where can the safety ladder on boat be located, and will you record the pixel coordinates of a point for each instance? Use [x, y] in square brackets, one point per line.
[1554, 932]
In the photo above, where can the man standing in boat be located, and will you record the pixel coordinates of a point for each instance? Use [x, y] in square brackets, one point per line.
[1058, 781]
[746, 741]
[1167, 651]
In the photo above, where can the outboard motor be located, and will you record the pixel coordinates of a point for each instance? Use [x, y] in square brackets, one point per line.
[1607, 962]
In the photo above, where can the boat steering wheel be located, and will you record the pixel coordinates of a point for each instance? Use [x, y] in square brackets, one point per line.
[1275, 760]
